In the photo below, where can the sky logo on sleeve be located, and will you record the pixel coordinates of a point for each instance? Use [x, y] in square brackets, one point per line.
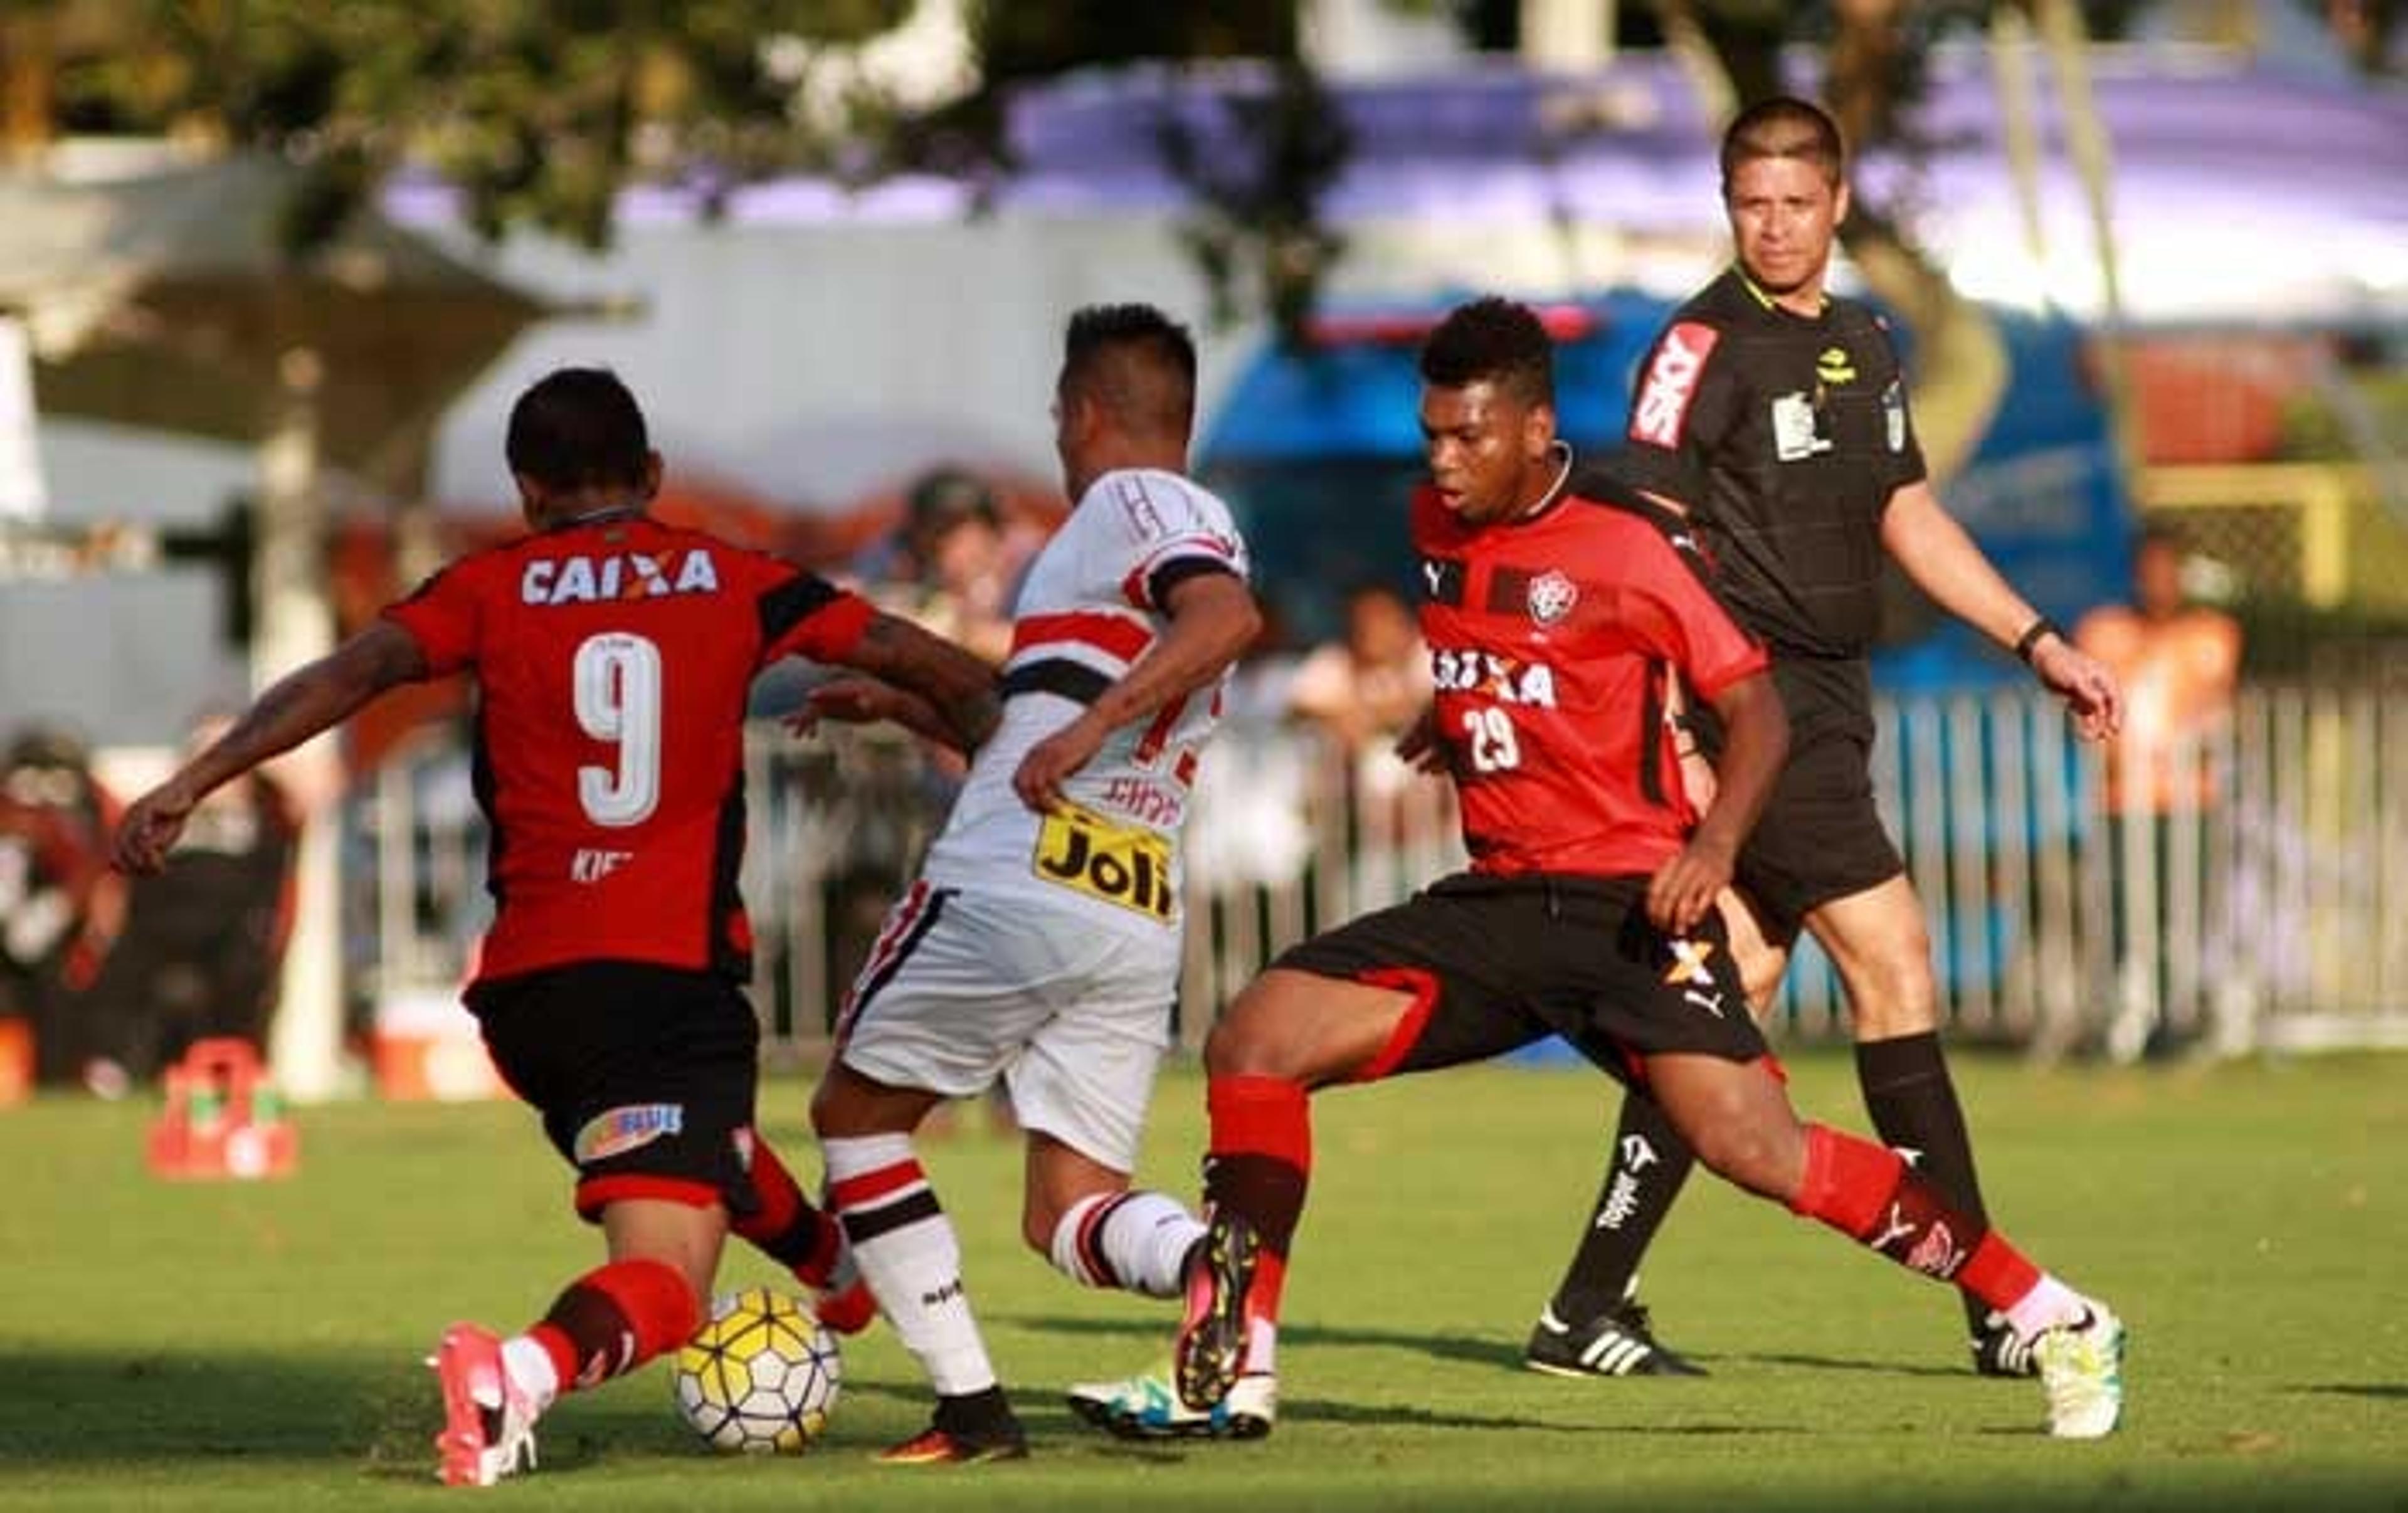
[1662, 412]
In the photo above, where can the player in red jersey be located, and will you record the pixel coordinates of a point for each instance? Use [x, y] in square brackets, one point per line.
[1554, 621]
[612, 655]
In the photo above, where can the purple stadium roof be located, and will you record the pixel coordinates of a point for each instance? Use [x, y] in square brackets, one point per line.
[2238, 192]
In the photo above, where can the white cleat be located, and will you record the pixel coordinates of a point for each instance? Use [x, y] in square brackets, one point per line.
[1147, 1408]
[2082, 1366]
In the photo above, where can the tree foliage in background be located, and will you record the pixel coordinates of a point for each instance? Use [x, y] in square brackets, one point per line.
[1258, 225]
[1257, 161]
[541, 111]
[537, 110]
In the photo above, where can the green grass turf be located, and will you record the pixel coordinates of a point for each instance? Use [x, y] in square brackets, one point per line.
[234, 1346]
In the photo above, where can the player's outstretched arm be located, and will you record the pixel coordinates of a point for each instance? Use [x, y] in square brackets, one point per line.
[860, 700]
[946, 694]
[303, 703]
[1755, 742]
[1213, 619]
[1945, 563]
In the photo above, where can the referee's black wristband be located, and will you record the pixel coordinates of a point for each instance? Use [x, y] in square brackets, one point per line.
[2028, 642]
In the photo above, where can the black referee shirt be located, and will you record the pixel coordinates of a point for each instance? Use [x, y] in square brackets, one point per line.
[1786, 436]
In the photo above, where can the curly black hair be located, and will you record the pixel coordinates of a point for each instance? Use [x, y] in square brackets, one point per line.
[1492, 340]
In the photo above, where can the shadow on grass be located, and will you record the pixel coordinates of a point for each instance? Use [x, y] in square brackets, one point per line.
[1483, 1350]
[1157, 1332]
[2390, 1392]
[377, 1417]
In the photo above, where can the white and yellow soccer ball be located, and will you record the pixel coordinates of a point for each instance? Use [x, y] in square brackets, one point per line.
[760, 1376]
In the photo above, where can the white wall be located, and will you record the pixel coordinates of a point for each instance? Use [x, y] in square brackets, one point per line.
[122, 660]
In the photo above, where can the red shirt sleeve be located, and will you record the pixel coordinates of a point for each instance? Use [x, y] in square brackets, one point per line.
[442, 617]
[1672, 610]
[803, 614]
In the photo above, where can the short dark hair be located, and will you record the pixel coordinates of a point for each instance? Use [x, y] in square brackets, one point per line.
[2160, 533]
[946, 496]
[1492, 340]
[1137, 363]
[1784, 127]
[578, 427]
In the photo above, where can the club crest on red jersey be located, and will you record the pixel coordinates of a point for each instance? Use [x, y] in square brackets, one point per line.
[1553, 595]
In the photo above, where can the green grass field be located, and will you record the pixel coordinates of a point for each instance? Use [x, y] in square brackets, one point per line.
[257, 1346]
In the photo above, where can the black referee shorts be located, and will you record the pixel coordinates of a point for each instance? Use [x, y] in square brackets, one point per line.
[1821, 835]
[645, 1075]
[1495, 964]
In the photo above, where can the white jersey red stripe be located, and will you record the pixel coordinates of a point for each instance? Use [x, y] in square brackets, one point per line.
[1086, 612]
[1121, 633]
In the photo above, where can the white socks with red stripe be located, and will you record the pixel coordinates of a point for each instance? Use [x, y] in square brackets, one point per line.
[908, 1251]
[1135, 1241]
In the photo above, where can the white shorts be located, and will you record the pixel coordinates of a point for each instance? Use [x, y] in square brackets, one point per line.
[968, 984]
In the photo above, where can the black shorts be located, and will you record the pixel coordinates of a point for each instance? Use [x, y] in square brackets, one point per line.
[645, 1075]
[1821, 835]
[1495, 964]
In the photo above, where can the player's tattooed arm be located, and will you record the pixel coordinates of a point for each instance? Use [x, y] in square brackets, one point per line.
[923, 682]
[303, 703]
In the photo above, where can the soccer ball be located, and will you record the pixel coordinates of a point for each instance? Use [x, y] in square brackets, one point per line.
[760, 1376]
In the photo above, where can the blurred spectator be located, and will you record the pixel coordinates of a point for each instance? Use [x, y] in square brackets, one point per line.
[203, 939]
[2179, 663]
[60, 906]
[1370, 686]
[1364, 692]
[951, 568]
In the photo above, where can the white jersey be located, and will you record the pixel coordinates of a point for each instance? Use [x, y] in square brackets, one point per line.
[1091, 605]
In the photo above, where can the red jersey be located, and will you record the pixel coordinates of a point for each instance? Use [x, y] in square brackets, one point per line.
[1552, 640]
[613, 659]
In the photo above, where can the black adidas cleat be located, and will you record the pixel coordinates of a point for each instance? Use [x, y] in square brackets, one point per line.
[1618, 1343]
[1998, 1352]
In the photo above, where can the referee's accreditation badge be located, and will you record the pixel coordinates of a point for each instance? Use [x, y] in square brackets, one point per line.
[1121, 864]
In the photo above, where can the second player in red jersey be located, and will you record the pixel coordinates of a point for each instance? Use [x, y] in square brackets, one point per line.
[1588, 913]
[1552, 643]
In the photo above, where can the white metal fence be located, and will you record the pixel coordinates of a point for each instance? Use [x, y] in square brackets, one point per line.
[2262, 909]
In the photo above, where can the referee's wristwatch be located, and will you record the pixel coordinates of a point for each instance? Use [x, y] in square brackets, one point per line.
[2038, 631]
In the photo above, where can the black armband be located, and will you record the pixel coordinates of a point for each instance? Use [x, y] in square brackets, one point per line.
[2039, 629]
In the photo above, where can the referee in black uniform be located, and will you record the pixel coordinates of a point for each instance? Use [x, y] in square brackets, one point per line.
[1775, 414]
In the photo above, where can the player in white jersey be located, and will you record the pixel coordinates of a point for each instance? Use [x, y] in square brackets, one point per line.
[1042, 941]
